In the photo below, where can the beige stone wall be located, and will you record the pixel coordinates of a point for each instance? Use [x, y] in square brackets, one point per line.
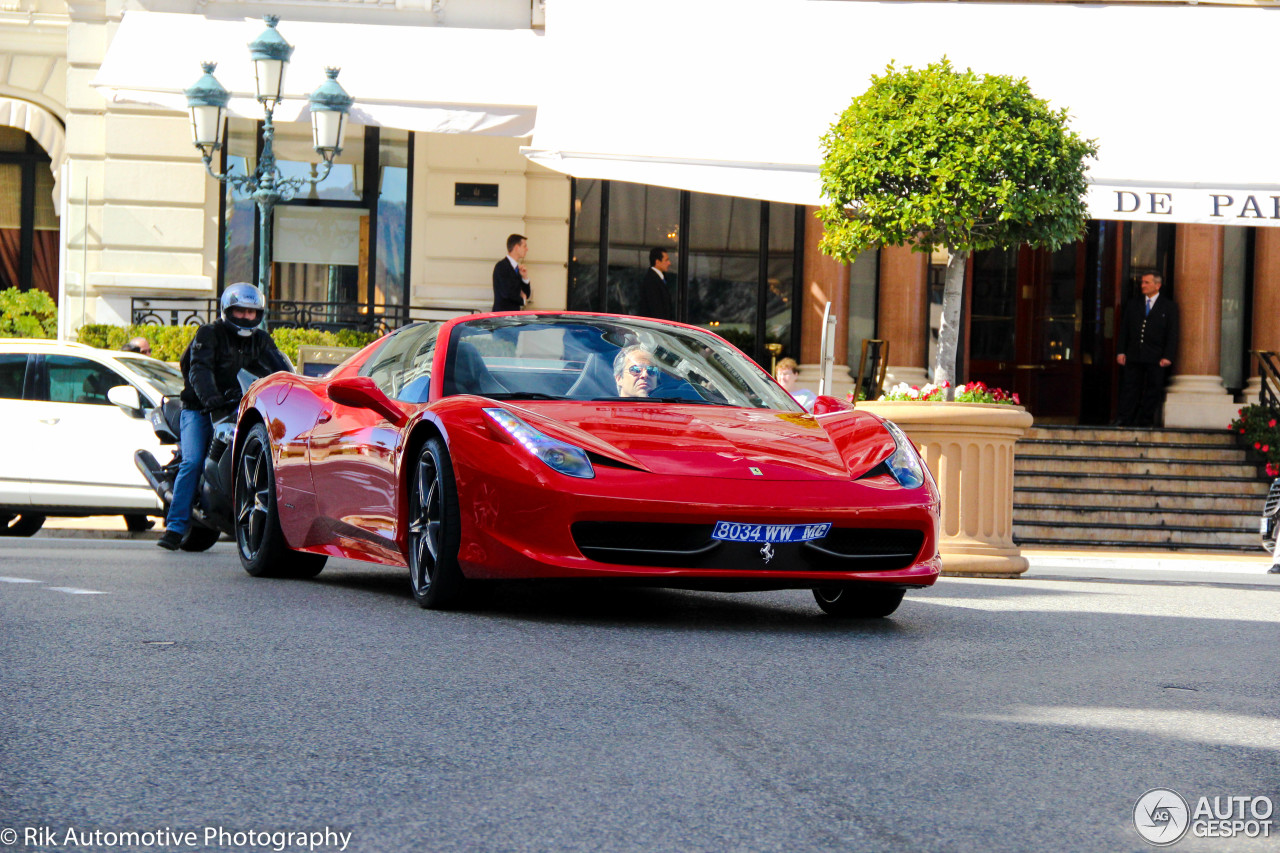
[454, 248]
[33, 53]
[142, 215]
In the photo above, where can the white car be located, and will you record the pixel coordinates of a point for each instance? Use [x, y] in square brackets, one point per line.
[68, 449]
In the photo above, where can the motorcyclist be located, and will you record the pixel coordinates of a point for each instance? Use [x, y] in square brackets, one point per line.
[209, 368]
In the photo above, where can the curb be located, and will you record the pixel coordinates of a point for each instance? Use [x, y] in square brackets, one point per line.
[89, 533]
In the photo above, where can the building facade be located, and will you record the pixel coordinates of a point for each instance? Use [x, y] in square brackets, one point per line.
[105, 204]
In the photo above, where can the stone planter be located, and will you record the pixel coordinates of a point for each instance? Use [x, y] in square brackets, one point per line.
[969, 449]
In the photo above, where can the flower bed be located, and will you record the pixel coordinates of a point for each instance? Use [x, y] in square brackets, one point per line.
[1257, 428]
[972, 392]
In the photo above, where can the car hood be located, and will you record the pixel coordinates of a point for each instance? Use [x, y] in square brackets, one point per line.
[718, 441]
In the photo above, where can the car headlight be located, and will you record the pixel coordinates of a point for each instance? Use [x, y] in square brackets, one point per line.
[904, 464]
[558, 455]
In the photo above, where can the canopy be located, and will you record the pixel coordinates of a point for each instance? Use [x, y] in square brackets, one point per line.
[437, 79]
[732, 98]
[44, 127]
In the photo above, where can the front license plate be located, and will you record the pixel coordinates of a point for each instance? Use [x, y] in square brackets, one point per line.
[1263, 527]
[732, 531]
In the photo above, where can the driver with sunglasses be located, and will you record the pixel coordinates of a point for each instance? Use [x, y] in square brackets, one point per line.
[636, 371]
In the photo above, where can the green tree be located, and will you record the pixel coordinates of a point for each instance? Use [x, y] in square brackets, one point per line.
[935, 157]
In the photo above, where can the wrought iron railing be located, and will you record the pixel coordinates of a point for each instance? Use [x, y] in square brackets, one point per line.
[1269, 373]
[290, 314]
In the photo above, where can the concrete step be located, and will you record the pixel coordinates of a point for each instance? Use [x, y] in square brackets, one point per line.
[1068, 450]
[1140, 501]
[1116, 483]
[1134, 535]
[1221, 438]
[1119, 516]
[1134, 467]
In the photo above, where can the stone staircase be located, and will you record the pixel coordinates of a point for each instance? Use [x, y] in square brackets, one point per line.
[1092, 487]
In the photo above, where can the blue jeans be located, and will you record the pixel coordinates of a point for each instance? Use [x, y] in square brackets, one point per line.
[196, 430]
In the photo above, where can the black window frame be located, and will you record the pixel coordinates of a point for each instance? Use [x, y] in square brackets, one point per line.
[368, 203]
[759, 353]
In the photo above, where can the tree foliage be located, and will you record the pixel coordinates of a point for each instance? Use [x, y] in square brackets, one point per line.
[936, 157]
[940, 158]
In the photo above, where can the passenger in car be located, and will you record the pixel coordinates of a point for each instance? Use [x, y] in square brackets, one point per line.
[636, 371]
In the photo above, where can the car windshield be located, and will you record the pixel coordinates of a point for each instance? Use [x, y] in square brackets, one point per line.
[582, 357]
[166, 378]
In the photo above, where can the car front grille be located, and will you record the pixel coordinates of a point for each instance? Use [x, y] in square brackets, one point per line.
[845, 549]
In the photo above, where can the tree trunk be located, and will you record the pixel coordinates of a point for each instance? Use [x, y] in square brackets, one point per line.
[944, 368]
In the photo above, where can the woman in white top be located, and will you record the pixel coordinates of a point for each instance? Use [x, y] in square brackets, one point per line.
[787, 372]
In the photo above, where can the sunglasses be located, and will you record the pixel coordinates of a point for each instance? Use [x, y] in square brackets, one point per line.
[637, 369]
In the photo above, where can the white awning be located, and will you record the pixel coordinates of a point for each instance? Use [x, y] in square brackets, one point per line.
[44, 127]
[732, 99]
[437, 79]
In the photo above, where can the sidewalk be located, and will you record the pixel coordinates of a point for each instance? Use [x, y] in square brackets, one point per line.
[1047, 561]
[95, 527]
[1044, 561]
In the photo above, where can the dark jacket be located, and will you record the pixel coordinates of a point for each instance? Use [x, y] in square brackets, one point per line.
[1147, 338]
[214, 358]
[655, 298]
[507, 287]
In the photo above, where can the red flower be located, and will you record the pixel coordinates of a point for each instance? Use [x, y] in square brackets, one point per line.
[1257, 445]
[1271, 423]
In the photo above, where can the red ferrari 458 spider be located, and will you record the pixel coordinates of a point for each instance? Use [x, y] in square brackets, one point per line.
[591, 446]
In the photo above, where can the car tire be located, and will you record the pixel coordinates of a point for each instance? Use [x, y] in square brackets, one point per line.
[138, 523]
[197, 538]
[24, 524]
[264, 553]
[434, 530]
[858, 601]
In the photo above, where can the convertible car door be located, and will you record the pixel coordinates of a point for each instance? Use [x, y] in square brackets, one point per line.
[352, 454]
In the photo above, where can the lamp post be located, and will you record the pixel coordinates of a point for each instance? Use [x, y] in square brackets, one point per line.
[330, 104]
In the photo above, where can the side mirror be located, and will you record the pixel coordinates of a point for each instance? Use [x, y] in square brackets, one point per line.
[127, 398]
[360, 392]
[826, 404]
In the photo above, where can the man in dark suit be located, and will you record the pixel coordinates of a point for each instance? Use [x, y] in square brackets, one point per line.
[655, 298]
[511, 287]
[1146, 347]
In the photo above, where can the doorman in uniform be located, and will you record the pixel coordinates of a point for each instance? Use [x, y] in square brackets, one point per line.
[1146, 348]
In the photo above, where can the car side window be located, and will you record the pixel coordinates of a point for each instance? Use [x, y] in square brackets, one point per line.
[79, 380]
[402, 367]
[13, 371]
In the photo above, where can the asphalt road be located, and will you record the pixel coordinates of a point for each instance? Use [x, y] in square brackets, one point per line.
[147, 691]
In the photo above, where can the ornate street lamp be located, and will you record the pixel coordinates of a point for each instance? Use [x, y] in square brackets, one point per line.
[330, 104]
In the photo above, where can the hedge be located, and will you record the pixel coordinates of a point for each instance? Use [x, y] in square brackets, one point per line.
[27, 314]
[169, 342]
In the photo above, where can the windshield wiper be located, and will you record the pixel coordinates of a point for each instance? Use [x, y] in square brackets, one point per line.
[697, 400]
[693, 400]
[523, 395]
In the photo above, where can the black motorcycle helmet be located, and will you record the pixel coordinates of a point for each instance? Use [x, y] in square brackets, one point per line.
[243, 295]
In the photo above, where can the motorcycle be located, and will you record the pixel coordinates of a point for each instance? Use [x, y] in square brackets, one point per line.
[212, 511]
[1269, 525]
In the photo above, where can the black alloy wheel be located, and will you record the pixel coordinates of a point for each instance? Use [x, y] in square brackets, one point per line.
[264, 553]
[859, 601]
[434, 530]
[24, 524]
